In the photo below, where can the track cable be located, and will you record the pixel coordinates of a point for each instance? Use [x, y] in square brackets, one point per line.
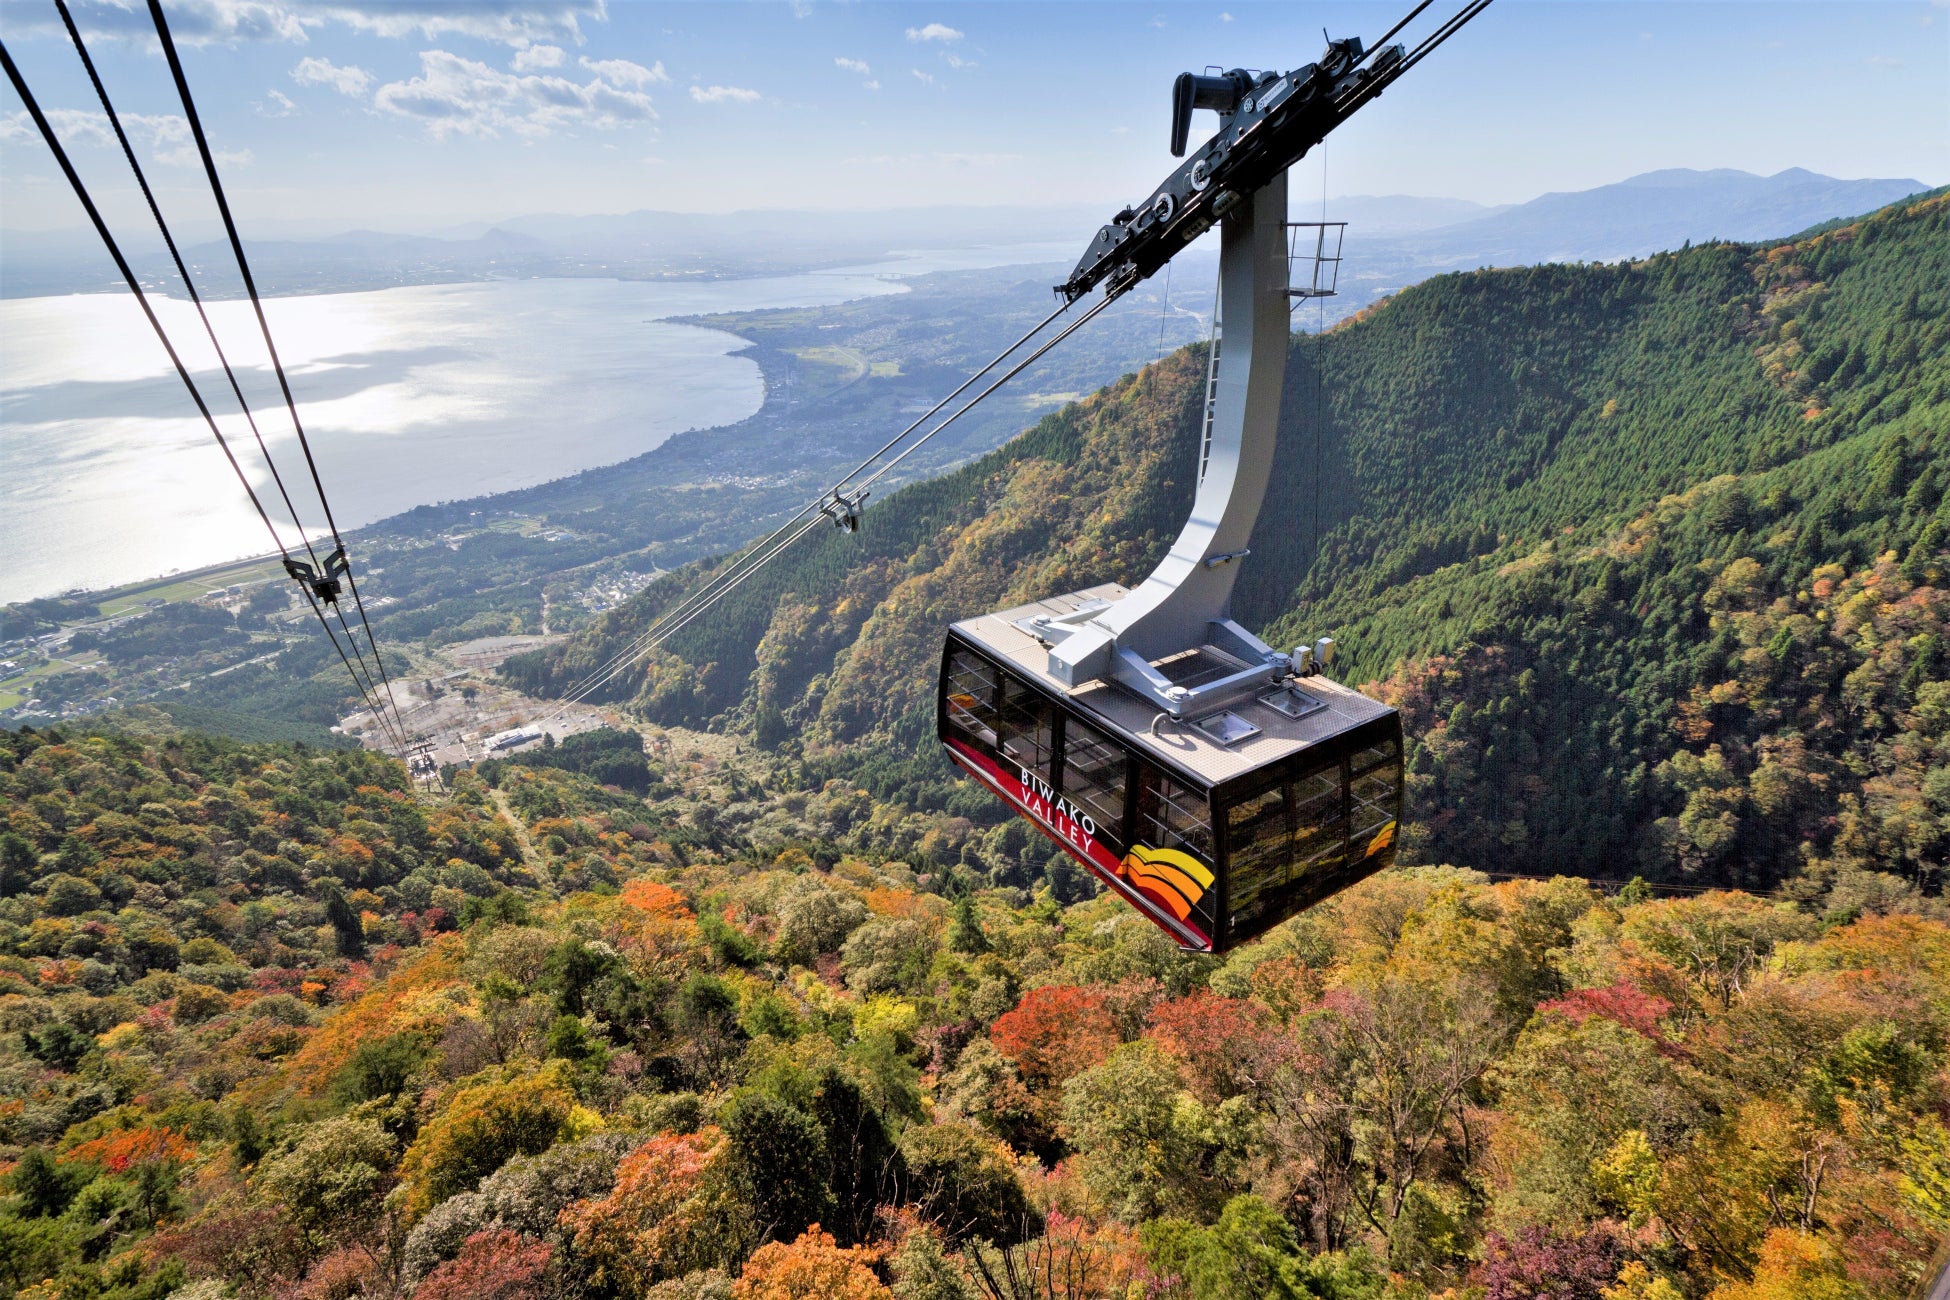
[671, 624]
[732, 573]
[277, 364]
[370, 686]
[142, 300]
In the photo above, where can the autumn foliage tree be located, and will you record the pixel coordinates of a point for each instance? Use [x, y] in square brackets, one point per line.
[1054, 1032]
[811, 1267]
[493, 1265]
[481, 1126]
[669, 1212]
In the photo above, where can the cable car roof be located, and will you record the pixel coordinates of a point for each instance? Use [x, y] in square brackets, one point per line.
[1178, 745]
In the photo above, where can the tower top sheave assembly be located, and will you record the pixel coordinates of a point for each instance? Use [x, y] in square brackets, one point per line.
[1267, 122]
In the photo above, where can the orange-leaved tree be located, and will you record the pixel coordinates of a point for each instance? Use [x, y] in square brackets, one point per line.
[125, 1149]
[664, 1217]
[1224, 1043]
[493, 1265]
[814, 1267]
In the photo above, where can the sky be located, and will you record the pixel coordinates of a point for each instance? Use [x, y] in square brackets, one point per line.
[422, 114]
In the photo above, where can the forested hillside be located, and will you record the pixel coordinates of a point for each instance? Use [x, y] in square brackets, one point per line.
[1647, 552]
[273, 1024]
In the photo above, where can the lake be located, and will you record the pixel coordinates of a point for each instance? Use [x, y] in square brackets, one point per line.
[409, 396]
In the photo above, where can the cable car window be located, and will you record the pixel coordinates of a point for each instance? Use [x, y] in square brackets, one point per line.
[971, 696]
[1173, 816]
[1094, 777]
[1171, 856]
[1319, 829]
[1374, 796]
[1028, 727]
[1381, 755]
[1257, 845]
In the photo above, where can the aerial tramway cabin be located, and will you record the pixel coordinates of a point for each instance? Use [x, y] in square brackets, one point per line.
[1217, 784]
[1216, 832]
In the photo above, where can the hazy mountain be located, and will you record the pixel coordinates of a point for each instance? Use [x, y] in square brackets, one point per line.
[1393, 240]
[1655, 211]
[1633, 218]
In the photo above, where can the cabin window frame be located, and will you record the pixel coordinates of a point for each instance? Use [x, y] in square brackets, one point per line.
[1014, 689]
[1116, 836]
[1206, 913]
[1328, 876]
[945, 707]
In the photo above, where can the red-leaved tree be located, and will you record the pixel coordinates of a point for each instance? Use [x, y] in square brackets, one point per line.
[492, 1265]
[1543, 1264]
[1055, 1032]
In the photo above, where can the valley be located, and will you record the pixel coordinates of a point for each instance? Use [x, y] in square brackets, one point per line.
[730, 988]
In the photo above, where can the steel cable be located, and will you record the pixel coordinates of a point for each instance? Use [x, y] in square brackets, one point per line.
[142, 300]
[230, 374]
[1372, 89]
[730, 573]
[277, 364]
[666, 628]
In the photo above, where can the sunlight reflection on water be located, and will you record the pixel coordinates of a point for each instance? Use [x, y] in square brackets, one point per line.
[410, 396]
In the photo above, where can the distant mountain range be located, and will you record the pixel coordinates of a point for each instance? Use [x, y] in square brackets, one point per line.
[1655, 211]
[1389, 247]
[1393, 240]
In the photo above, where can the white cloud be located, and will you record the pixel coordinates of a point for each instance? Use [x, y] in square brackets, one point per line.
[870, 85]
[853, 65]
[459, 96]
[956, 61]
[280, 105]
[622, 72]
[924, 78]
[165, 136]
[74, 126]
[1225, 18]
[933, 32]
[512, 22]
[228, 22]
[323, 72]
[197, 22]
[724, 95]
[539, 56]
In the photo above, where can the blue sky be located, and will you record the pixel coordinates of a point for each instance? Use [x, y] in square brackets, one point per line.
[340, 113]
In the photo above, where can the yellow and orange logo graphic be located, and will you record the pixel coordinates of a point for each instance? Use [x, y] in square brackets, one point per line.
[1175, 880]
[1383, 838]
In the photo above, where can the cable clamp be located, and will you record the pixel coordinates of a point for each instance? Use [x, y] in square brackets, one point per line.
[844, 509]
[325, 586]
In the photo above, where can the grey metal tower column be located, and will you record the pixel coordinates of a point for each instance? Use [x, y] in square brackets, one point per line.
[1187, 600]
